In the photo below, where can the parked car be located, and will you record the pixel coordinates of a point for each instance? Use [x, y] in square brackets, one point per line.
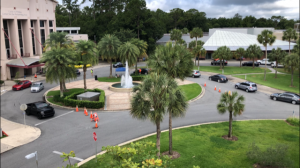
[247, 86]
[217, 62]
[36, 87]
[119, 64]
[21, 85]
[286, 97]
[265, 61]
[219, 78]
[144, 71]
[250, 63]
[278, 66]
[240, 59]
[40, 109]
[77, 72]
[195, 73]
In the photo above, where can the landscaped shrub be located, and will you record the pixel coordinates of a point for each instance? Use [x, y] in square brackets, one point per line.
[137, 77]
[1, 82]
[293, 121]
[272, 156]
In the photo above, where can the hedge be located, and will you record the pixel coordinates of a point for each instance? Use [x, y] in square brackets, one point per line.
[72, 101]
[137, 77]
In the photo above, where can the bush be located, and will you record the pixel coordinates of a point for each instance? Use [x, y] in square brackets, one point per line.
[1, 82]
[72, 101]
[293, 121]
[137, 77]
[272, 157]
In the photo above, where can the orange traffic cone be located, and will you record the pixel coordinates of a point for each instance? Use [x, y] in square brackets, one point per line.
[86, 113]
[77, 108]
[219, 90]
[96, 125]
[91, 116]
[35, 76]
[205, 84]
[215, 88]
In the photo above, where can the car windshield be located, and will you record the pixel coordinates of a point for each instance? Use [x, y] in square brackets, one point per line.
[221, 76]
[20, 83]
[197, 72]
[41, 105]
[35, 85]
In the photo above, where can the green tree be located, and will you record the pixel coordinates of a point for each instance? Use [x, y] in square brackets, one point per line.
[176, 63]
[185, 31]
[125, 35]
[175, 35]
[87, 54]
[290, 34]
[196, 52]
[240, 52]
[278, 56]
[197, 33]
[291, 63]
[58, 61]
[296, 48]
[192, 44]
[266, 37]
[222, 53]
[151, 98]
[202, 53]
[142, 46]
[233, 103]
[252, 52]
[128, 53]
[108, 47]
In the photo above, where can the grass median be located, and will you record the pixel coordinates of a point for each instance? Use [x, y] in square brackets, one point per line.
[228, 70]
[282, 82]
[204, 146]
[191, 90]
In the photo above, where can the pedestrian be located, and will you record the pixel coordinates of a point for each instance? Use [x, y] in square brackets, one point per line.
[140, 70]
[92, 72]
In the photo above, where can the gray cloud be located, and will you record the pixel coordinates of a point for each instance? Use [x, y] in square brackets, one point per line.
[240, 2]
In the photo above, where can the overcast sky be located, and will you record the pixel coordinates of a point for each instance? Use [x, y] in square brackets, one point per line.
[227, 8]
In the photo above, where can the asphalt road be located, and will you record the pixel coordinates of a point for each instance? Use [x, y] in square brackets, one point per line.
[73, 131]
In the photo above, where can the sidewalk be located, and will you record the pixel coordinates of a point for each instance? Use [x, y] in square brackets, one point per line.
[18, 134]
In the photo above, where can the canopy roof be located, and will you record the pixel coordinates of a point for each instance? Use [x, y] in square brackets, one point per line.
[30, 63]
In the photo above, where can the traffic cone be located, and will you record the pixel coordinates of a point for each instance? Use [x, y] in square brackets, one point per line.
[215, 88]
[96, 125]
[77, 108]
[91, 116]
[86, 113]
[219, 90]
[35, 76]
[205, 84]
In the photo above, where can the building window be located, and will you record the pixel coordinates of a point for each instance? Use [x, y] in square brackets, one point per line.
[51, 30]
[67, 31]
[73, 31]
[41, 23]
[20, 37]
[31, 23]
[33, 44]
[7, 44]
[42, 38]
[50, 23]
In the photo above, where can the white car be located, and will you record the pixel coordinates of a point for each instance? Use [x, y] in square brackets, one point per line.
[278, 66]
[36, 87]
[265, 61]
[195, 73]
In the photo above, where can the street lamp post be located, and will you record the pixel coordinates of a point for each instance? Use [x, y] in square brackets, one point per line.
[23, 107]
[29, 156]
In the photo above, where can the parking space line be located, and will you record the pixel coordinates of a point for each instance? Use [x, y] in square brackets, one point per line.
[75, 158]
[54, 118]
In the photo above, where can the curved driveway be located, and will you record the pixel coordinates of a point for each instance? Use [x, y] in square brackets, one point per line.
[73, 131]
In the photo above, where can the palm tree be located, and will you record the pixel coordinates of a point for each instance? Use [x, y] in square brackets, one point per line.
[253, 51]
[277, 55]
[222, 53]
[87, 54]
[142, 46]
[185, 30]
[290, 34]
[108, 47]
[151, 98]
[203, 52]
[296, 48]
[266, 37]
[175, 35]
[291, 63]
[128, 53]
[197, 51]
[233, 103]
[197, 33]
[192, 44]
[240, 52]
[58, 61]
[176, 63]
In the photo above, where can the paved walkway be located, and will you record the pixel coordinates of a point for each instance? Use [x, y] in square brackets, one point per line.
[115, 101]
[18, 134]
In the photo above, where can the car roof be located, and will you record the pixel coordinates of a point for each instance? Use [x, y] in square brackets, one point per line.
[249, 82]
[292, 93]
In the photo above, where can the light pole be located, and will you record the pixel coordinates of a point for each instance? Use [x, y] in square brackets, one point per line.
[23, 107]
[29, 156]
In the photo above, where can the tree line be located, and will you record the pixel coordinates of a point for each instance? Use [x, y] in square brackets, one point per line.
[132, 18]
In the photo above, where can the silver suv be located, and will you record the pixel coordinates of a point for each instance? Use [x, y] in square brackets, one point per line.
[247, 86]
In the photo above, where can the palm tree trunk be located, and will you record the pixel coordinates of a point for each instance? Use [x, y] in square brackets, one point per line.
[292, 74]
[110, 68]
[158, 137]
[276, 68]
[195, 59]
[230, 125]
[199, 59]
[61, 89]
[84, 76]
[64, 85]
[253, 63]
[69, 20]
[170, 134]
[136, 66]
[265, 64]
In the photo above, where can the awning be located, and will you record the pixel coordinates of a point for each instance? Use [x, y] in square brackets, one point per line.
[30, 63]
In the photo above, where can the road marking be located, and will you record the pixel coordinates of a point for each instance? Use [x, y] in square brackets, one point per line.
[54, 118]
[76, 158]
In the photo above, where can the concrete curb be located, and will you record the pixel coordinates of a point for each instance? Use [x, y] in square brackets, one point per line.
[145, 136]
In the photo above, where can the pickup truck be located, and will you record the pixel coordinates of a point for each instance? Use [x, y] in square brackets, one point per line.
[265, 61]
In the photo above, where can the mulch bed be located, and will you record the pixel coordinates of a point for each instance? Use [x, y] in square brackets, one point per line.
[233, 138]
[174, 156]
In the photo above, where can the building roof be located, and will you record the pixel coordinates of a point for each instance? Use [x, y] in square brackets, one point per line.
[185, 37]
[235, 40]
[67, 28]
[19, 62]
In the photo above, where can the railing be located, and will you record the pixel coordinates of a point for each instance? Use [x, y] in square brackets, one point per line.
[12, 56]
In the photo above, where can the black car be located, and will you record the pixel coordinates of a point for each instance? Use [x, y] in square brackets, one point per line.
[144, 71]
[287, 97]
[119, 64]
[250, 63]
[218, 62]
[40, 109]
[219, 78]
[77, 72]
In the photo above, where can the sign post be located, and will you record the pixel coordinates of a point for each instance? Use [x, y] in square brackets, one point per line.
[23, 107]
[95, 138]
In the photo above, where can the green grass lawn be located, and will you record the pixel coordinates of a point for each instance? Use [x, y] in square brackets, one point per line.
[204, 146]
[282, 82]
[107, 79]
[57, 92]
[231, 70]
[283, 71]
[191, 90]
